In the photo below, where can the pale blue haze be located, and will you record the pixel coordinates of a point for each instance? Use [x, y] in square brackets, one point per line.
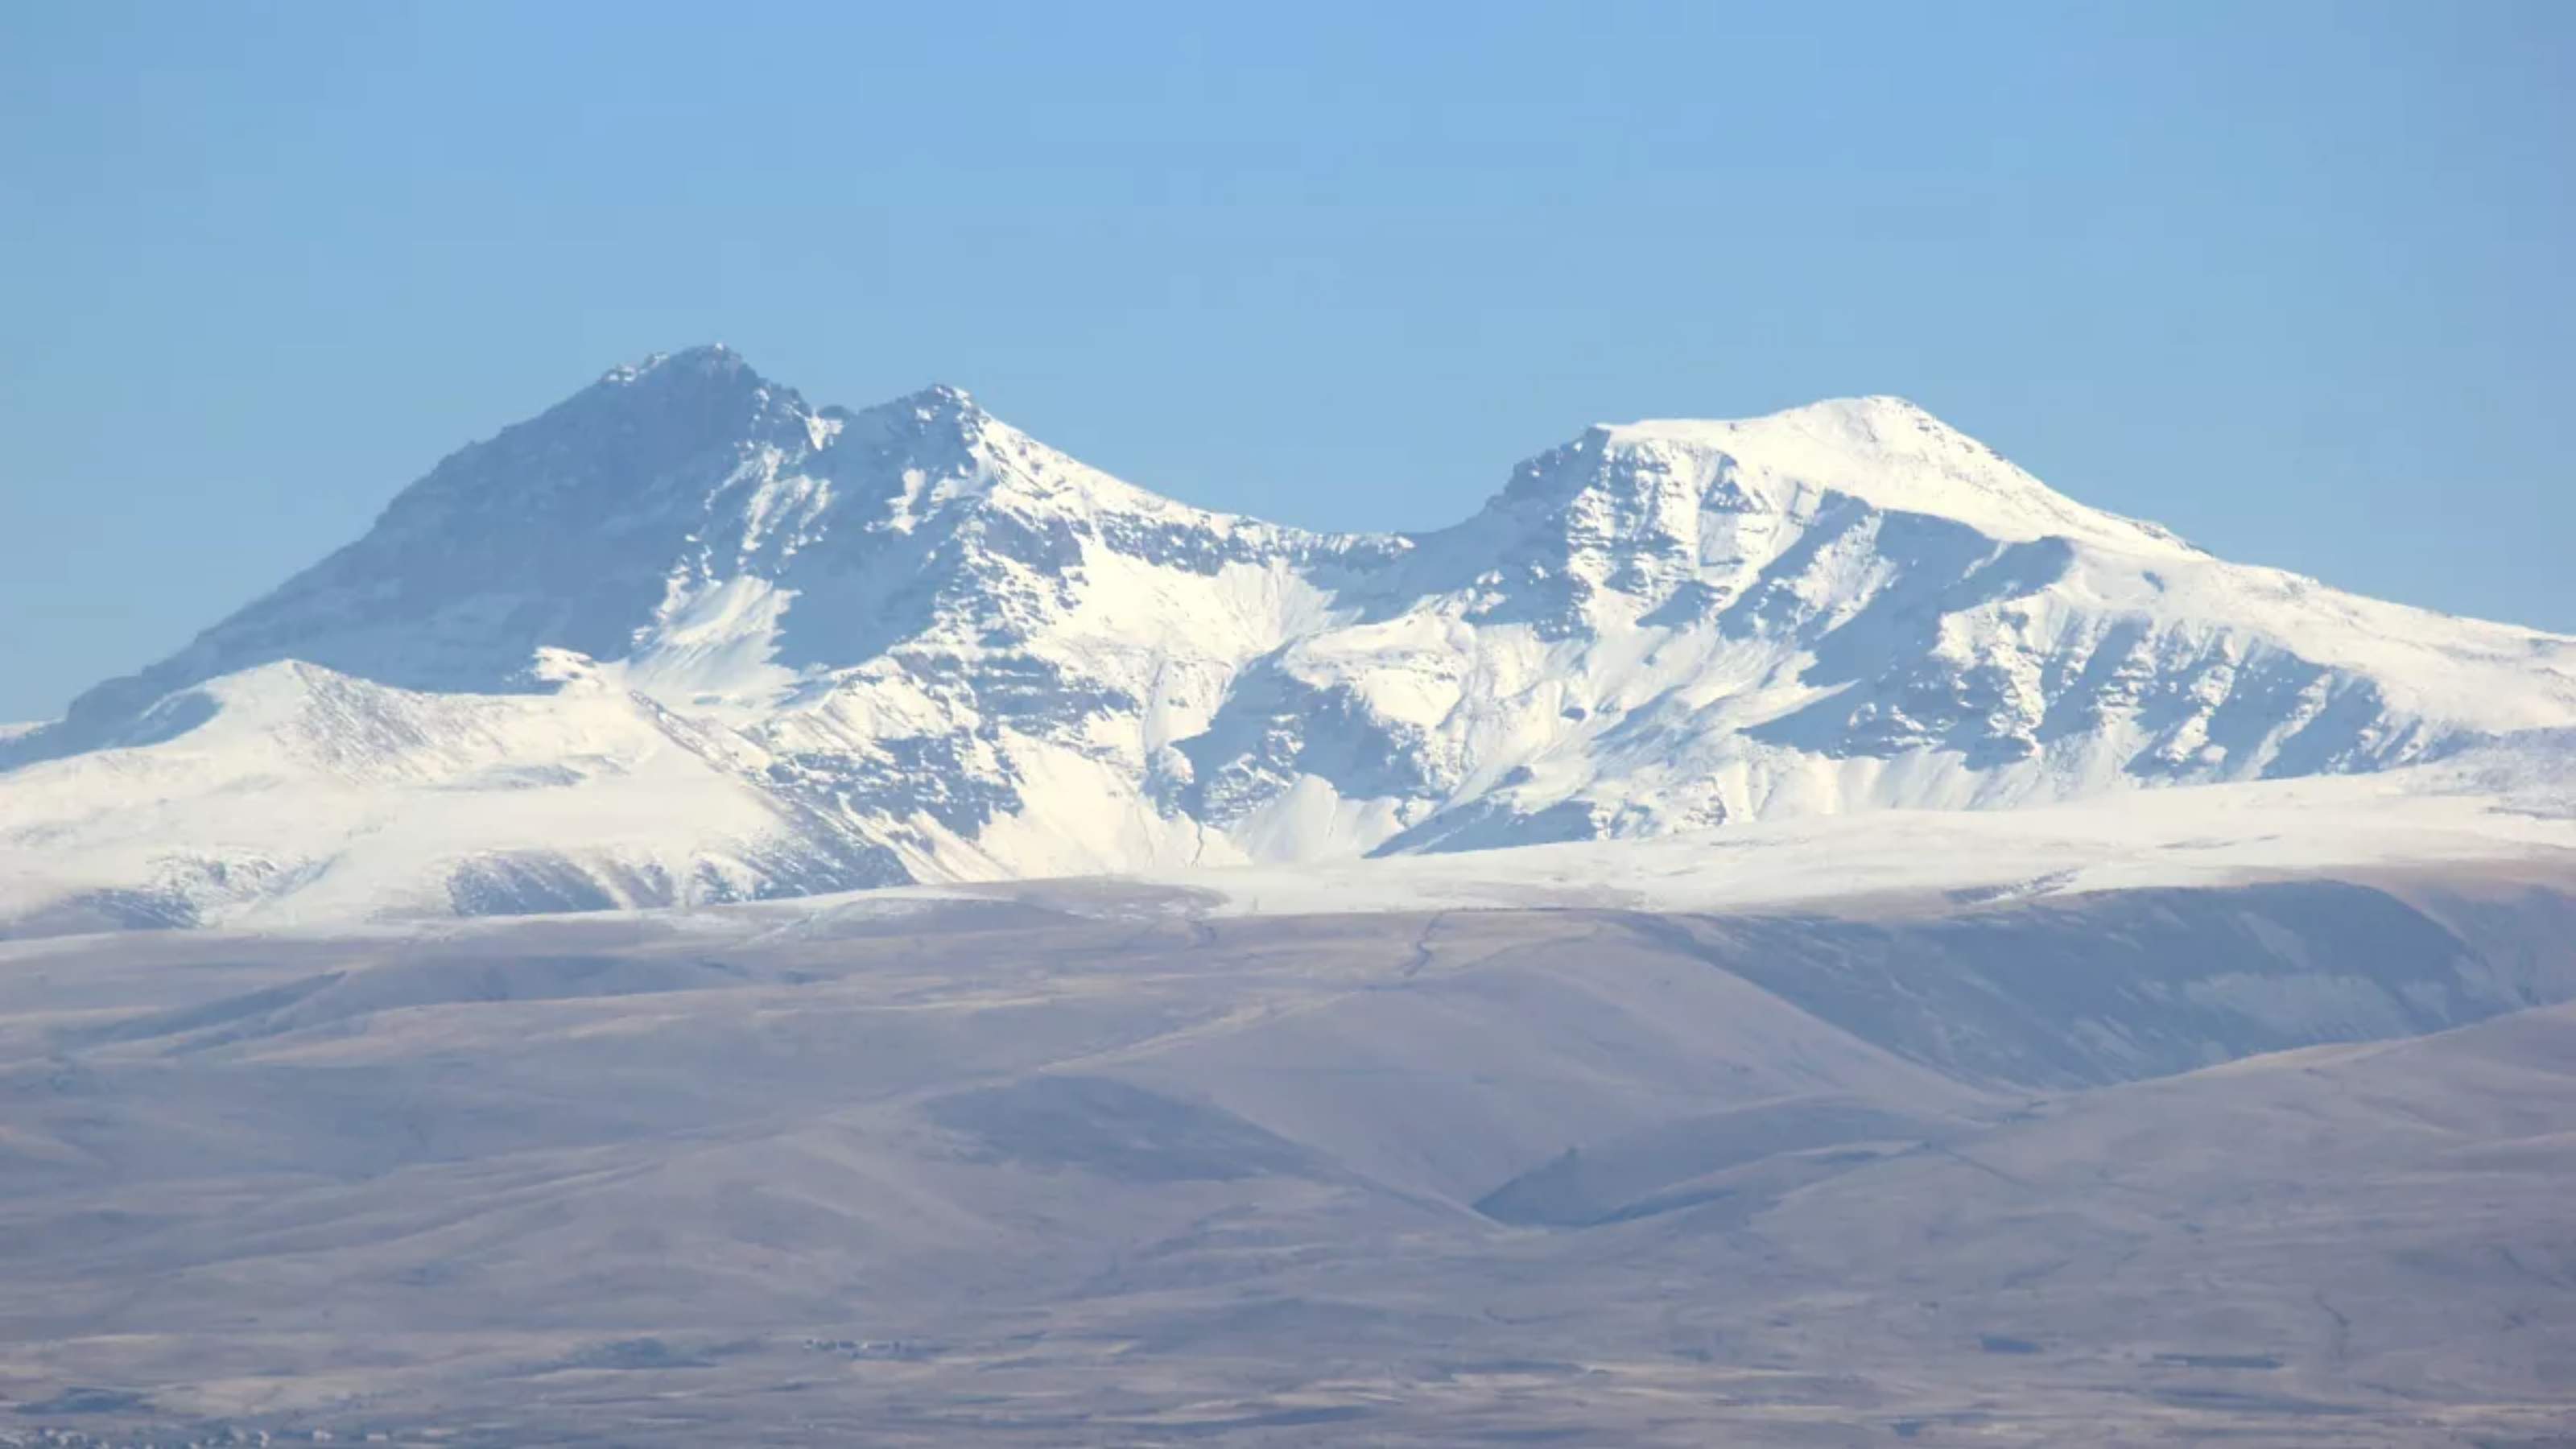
[2292, 278]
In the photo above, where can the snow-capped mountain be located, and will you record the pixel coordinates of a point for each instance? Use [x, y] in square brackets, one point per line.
[685, 637]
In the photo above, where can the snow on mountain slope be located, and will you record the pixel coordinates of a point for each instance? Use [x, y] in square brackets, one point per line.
[1850, 606]
[780, 648]
[301, 794]
[2502, 814]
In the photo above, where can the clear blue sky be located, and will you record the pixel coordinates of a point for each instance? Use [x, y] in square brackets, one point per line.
[2294, 278]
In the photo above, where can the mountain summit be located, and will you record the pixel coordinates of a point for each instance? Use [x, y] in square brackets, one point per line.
[685, 637]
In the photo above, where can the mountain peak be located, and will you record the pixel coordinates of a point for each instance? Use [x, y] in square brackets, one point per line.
[1878, 424]
[667, 406]
[709, 359]
[1885, 451]
[935, 406]
[910, 639]
[942, 397]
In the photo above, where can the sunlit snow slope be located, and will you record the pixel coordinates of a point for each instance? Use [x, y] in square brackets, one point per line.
[686, 638]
